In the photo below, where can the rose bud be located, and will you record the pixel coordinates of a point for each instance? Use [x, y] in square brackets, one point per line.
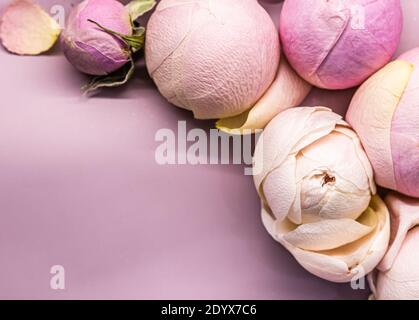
[316, 187]
[217, 59]
[87, 46]
[338, 44]
[385, 114]
[397, 276]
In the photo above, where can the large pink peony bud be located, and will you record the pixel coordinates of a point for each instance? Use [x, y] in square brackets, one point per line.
[337, 44]
[89, 48]
[215, 58]
[385, 114]
[397, 276]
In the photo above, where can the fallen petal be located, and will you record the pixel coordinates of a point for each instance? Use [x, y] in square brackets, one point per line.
[26, 29]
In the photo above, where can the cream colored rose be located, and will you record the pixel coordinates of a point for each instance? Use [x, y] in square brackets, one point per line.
[316, 186]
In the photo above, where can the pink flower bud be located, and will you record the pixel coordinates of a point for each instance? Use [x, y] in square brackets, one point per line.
[215, 58]
[337, 44]
[90, 49]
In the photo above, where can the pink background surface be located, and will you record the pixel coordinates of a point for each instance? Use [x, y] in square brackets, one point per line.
[79, 187]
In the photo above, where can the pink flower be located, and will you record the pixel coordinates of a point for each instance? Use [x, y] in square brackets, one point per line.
[89, 48]
[337, 44]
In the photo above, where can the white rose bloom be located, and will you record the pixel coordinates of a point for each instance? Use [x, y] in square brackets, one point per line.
[316, 186]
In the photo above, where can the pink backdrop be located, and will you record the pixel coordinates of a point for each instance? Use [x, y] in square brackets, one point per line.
[79, 187]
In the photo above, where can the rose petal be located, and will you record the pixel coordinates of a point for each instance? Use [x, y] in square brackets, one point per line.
[345, 263]
[294, 213]
[405, 133]
[26, 29]
[325, 34]
[341, 204]
[382, 93]
[369, 250]
[361, 155]
[404, 216]
[273, 147]
[279, 188]
[336, 152]
[288, 90]
[401, 282]
[348, 195]
[318, 125]
[356, 251]
[327, 234]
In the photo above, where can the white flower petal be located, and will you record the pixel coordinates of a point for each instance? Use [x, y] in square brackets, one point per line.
[273, 146]
[362, 156]
[318, 125]
[279, 188]
[345, 263]
[282, 134]
[327, 234]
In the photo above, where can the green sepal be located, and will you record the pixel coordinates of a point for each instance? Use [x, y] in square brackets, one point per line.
[137, 8]
[114, 79]
[134, 42]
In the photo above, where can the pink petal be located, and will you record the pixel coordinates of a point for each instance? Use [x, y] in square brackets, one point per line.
[26, 29]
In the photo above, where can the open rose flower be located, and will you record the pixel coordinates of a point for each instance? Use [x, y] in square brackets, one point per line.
[397, 276]
[316, 186]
